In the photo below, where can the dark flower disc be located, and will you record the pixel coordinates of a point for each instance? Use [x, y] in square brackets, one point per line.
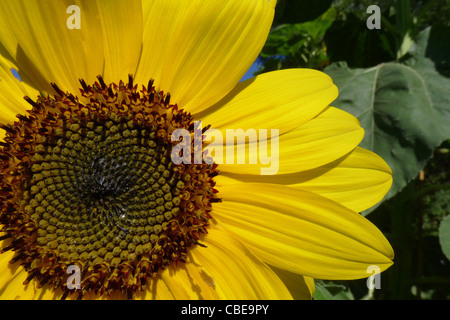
[92, 184]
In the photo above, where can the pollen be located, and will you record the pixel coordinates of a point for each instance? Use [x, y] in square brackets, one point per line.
[89, 182]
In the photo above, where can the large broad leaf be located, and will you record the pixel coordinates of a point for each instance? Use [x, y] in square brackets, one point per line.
[431, 45]
[403, 107]
[444, 236]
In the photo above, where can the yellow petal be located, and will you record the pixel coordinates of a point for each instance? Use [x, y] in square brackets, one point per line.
[11, 51]
[46, 50]
[122, 27]
[302, 232]
[281, 100]
[359, 180]
[5, 266]
[338, 115]
[49, 47]
[12, 277]
[225, 269]
[185, 283]
[12, 92]
[311, 145]
[199, 50]
[301, 288]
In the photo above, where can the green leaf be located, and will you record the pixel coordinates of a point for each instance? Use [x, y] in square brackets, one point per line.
[444, 236]
[430, 45]
[350, 40]
[327, 290]
[317, 28]
[294, 11]
[404, 109]
[298, 45]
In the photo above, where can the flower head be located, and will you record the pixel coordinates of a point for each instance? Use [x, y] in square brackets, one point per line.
[105, 169]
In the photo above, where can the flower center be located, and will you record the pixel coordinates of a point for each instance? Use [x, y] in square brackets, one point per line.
[93, 185]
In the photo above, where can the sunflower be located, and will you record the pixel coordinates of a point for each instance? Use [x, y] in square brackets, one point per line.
[91, 94]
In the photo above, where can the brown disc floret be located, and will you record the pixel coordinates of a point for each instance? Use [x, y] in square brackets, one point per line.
[89, 182]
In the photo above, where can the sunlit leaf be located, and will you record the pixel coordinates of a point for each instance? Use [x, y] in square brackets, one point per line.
[327, 290]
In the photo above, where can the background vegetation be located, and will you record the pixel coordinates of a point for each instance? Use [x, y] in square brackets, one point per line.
[396, 81]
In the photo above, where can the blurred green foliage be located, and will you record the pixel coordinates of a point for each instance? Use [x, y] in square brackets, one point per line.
[396, 80]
